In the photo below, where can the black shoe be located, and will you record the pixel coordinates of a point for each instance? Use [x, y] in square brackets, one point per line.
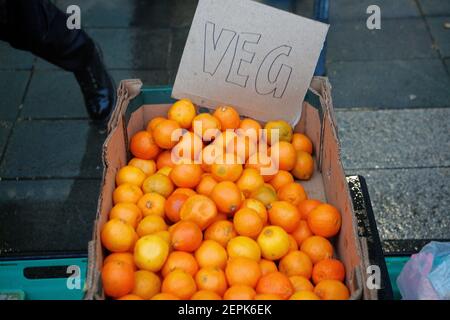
[98, 87]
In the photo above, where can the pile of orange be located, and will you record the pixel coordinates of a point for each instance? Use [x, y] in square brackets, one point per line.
[183, 227]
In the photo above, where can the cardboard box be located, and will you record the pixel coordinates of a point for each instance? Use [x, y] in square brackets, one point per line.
[305, 103]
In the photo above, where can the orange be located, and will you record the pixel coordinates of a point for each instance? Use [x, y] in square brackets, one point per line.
[165, 235]
[304, 295]
[239, 292]
[206, 125]
[211, 279]
[301, 232]
[165, 296]
[179, 260]
[302, 143]
[206, 295]
[228, 117]
[183, 112]
[285, 154]
[186, 191]
[163, 133]
[227, 197]
[151, 125]
[304, 166]
[186, 236]
[242, 271]
[250, 128]
[173, 206]
[118, 236]
[150, 252]
[206, 185]
[131, 175]
[258, 206]
[125, 257]
[296, 263]
[267, 296]
[284, 131]
[265, 194]
[265, 164]
[317, 248]
[186, 175]
[199, 209]
[180, 284]
[274, 242]
[165, 171]
[221, 232]
[293, 246]
[143, 145]
[152, 204]
[331, 290]
[151, 224]
[280, 179]
[189, 147]
[130, 297]
[146, 284]
[117, 279]
[275, 283]
[127, 193]
[306, 206]
[246, 247]
[158, 183]
[209, 155]
[221, 216]
[147, 166]
[247, 223]
[292, 192]
[226, 168]
[242, 146]
[328, 269]
[249, 181]
[224, 139]
[267, 266]
[301, 283]
[324, 220]
[284, 214]
[211, 254]
[165, 160]
[128, 212]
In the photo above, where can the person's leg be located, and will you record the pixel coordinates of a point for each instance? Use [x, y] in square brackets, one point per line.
[40, 27]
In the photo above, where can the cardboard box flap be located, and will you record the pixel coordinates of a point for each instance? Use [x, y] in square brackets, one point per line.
[256, 58]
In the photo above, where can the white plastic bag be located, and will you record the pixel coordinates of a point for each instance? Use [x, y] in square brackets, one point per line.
[426, 276]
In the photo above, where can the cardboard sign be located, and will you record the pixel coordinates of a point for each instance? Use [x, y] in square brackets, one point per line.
[256, 58]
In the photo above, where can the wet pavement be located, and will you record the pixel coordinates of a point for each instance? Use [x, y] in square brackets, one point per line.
[390, 90]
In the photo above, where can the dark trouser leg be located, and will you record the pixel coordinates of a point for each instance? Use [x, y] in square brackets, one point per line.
[39, 26]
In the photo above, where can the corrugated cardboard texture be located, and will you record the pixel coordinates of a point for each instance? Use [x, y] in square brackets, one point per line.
[262, 67]
[328, 182]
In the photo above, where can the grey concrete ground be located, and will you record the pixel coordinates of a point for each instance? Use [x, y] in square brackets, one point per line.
[391, 93]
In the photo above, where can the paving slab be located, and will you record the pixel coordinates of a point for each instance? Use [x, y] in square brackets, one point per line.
[397, 39]
[356, 10]
[390, 84]
[47, 215]
[441, 35]
[11, 58]
[5, 127]
[49, 149]
[410, 203]
[12, 90]
[435, 7]
[53, 94]
[395, 138]
[133, 48]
